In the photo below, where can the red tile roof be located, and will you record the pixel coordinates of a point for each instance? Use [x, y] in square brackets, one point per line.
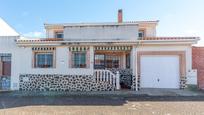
[145, 38]
[42, 39]
[169, 38]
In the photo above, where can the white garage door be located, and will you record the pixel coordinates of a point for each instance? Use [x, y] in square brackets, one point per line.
[159, 71]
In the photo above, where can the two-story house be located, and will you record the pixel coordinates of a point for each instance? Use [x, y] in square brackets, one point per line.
[99, 57]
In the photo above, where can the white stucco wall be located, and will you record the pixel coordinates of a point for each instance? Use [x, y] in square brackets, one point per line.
[22, 62]
[186, 48]
[150, 30]
[7, 45]
[62, 64]
[22, 59]
[102, 32]
[50, 33]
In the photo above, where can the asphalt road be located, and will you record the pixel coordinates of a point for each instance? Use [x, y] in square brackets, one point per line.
[101, 105]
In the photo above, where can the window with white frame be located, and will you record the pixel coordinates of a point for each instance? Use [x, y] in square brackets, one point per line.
[79, 59]
[44, 60]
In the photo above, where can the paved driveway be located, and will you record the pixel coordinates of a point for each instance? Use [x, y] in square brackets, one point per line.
[91, 105]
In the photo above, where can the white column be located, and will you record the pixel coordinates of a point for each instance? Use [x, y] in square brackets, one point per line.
[133, 64]
[92, 58]
[133, 60]
[117, 80]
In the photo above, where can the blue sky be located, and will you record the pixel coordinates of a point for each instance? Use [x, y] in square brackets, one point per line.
[177, 17]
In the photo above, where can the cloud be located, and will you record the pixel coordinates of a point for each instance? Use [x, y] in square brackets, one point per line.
[34, 34]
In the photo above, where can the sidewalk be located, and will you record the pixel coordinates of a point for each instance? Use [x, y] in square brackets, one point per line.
[122, 93]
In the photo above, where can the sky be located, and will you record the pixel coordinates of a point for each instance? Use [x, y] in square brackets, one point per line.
[176, 17]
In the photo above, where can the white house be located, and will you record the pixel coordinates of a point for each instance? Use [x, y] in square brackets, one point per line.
[97, 57]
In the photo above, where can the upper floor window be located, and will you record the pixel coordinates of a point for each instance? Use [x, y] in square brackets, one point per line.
[141, 33]
[79, 59]
[44, 60]
[59, 35]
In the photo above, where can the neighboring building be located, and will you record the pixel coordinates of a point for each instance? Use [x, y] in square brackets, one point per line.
[198, 64]
[8, 53]
[92, 56]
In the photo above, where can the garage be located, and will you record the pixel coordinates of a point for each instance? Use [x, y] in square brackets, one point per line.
[159, 71]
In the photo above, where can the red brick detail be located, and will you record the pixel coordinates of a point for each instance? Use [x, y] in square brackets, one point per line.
[120, 16]
[198, 63]
[170, 38]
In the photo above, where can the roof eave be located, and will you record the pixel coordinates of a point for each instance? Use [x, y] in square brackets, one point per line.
[129, 42]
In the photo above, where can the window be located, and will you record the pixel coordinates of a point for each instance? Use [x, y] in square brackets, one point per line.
[112, 61]
[106, 61]
[99, 61]
[79, 59]
[59, 34]
[5, 65]
[44, 60]
[141, 33]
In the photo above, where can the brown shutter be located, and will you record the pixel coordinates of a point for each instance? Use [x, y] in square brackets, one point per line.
[7, 68]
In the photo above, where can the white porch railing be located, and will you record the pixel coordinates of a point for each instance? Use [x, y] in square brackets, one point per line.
[108, 76]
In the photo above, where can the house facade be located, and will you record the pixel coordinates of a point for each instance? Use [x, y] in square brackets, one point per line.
[98, 57]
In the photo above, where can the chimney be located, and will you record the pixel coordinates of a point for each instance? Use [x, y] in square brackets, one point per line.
[120, 16]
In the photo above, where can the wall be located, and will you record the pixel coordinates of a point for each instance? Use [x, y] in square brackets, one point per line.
[198, 63]
[102, 32]
[50, 33]
[186, 48]
[21, 62]
[62, 64]
[150, 29]
[22, 59]
[8, 46]
[59, 82]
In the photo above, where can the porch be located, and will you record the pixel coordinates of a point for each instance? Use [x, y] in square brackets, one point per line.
[115, 62]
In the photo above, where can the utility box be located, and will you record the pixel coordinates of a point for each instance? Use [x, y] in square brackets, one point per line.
[192, 77]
